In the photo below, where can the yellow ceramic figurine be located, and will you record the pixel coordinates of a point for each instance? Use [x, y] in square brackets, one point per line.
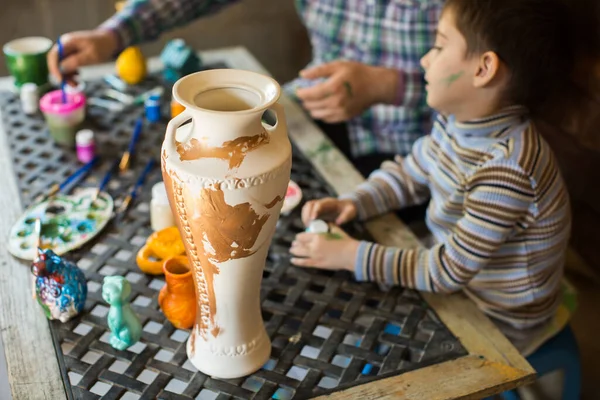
[159, 247]
[131, 65]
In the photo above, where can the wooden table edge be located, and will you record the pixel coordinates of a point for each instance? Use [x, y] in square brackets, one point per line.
[456, 379]
[31, 359]
[480, 337]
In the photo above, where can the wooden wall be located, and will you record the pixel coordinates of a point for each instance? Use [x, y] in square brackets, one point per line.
[270, 29]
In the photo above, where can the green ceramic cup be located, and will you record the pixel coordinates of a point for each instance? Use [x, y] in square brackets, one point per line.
[26, 60]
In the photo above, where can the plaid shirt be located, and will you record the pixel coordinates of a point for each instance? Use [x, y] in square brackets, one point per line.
[388, 33]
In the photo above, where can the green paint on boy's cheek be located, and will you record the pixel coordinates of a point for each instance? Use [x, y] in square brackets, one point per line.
[449, 80]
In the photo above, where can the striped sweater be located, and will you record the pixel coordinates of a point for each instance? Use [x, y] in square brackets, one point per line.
[498, 210]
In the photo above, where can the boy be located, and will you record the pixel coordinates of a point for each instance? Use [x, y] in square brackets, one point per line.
[498, 209]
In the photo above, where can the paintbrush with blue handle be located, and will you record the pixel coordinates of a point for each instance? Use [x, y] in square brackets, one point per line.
[105, 179]
[61, 55]
[137, 130]
[74, 177]
[134, 192]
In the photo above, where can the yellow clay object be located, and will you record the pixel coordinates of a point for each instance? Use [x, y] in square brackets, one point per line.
[166, 243]
[149, 262]
[160, 246]
[131, 65]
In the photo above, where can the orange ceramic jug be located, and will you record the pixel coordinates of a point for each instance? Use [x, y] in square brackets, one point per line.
[177, 299]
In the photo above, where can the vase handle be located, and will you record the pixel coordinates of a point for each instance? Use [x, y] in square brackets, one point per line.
[280, 116]
[172, 126]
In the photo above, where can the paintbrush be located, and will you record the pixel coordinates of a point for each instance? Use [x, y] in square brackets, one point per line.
[105, 179]
[61, 55]
[38, 231]
[137, 130]
[134, 192]
[38, 244]
[75, 177]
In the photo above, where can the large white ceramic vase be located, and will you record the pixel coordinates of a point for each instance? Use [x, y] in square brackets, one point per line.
[226, 174]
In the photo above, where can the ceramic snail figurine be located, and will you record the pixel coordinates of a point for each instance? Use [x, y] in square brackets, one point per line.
[124, 325]
[60, 286]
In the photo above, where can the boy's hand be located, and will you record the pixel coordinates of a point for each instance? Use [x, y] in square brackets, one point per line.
[334, 250]
[329, 209]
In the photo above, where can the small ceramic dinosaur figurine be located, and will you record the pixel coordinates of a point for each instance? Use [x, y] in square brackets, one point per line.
[125, 326]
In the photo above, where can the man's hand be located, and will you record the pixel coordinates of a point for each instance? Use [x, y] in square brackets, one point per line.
[80, 49]
[348, 90]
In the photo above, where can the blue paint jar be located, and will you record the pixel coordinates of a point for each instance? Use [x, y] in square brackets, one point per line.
[152, 106]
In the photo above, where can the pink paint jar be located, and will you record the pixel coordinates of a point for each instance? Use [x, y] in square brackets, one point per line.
[63, 119]
[86, 150]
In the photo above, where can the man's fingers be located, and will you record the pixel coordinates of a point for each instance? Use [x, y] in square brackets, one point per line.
[331, 102]
[71, 64]
[319, 71]
[335, 118]
[324, 114]
[52, 61]
[321, 90]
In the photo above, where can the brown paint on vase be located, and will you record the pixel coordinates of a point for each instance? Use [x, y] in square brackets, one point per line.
[175, 192]
[193, 341]
[274, 202]
[230, 230]
[177, 299]
[233, 150]
[215, 331]
[219, 232]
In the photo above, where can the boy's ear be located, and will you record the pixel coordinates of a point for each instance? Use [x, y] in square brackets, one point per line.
[487, 69]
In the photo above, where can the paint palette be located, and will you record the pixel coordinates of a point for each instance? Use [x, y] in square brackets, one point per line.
[293, 196]
[68, 222]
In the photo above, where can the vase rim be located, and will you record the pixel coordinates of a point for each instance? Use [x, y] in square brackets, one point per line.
[265, 87]
[181, 262]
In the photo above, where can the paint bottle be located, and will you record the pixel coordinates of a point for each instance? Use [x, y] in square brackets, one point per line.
[84, 143]
[176, 108]
[152, 105]
[29, 98]
[161, 216]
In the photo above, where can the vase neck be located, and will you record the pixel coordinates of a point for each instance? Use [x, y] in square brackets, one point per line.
[218, 129]
[225, 105]
[178, 275]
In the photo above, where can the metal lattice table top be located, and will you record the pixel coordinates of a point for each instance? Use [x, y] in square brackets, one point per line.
[328, 332]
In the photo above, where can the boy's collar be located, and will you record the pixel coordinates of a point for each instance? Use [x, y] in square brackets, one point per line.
[494, 126]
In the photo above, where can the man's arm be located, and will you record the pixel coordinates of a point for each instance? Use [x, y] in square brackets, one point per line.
[145, 20]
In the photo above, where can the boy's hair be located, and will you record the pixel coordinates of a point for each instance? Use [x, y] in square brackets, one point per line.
[532, 37]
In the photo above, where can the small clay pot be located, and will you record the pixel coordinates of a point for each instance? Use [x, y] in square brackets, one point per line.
[177, 299]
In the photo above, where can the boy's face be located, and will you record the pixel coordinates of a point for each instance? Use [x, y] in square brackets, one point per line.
[449, 69]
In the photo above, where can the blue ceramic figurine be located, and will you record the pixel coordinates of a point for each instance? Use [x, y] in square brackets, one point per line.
[125, 326]
[179, 60]
[60, 287]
